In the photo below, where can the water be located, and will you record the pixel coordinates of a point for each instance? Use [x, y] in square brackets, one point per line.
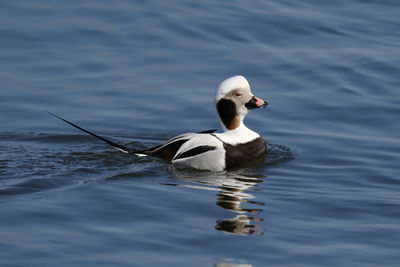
[141, 72]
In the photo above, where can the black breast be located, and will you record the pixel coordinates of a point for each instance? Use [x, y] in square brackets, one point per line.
[241, 154]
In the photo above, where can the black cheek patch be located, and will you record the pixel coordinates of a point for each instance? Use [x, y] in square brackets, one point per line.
[196, 151]
[226, 111]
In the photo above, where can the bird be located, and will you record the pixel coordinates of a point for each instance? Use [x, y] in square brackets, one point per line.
[232, 148]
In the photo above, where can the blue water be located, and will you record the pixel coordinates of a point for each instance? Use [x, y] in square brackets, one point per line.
[139, 72]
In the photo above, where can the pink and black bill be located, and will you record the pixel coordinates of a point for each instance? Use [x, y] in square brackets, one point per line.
[256, 102]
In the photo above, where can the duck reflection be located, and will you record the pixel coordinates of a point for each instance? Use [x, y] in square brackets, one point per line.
[234, 194]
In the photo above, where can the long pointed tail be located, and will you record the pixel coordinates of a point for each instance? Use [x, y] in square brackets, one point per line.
[111, 143]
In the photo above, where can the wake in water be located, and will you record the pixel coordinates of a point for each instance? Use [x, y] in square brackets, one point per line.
[279, 154]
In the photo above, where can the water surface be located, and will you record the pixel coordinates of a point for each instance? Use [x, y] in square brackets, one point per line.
[141, 72]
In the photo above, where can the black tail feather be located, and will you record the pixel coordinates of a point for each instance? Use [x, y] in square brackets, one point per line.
[111, 143]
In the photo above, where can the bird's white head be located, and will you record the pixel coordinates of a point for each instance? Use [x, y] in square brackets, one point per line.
[233, 100]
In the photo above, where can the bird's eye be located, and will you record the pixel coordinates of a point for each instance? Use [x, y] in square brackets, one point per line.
[238, 94]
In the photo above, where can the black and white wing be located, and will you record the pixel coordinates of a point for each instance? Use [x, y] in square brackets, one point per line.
[201, 151]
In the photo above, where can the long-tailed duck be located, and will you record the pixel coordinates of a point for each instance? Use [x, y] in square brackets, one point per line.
[235, 146]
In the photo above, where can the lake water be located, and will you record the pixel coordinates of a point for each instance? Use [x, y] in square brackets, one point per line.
[139, 72]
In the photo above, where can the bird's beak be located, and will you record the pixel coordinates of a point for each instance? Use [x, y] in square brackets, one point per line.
[256, 102]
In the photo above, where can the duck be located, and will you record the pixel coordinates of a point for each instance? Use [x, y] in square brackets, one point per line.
[235, 146]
